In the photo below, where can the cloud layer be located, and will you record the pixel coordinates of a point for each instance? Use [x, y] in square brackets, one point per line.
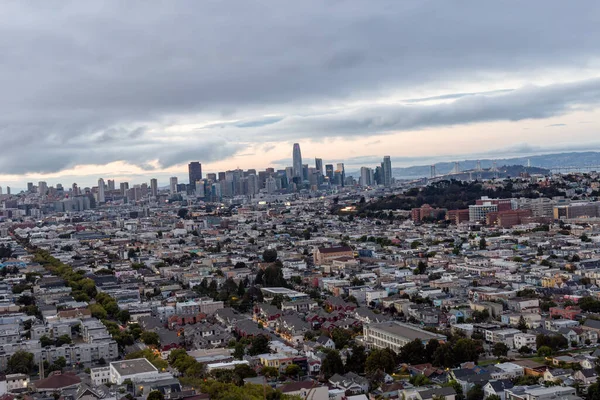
[99, 82]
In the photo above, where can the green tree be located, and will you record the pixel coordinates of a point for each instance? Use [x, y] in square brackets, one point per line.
[259, 344]
[156, 395]
[475, 393]
[544, 351]
[413, 352]
[482, 244]
[45, 341]
[269, 255]
[63, 339]
[523, 350]
[341, 337]
[150, 338]
[380, 359]
[98, 311]
[522, 326]
[182, 213]
[239, 351]
[292, 370]
[269, 372]
[21, 362]
[332, 364]
[355, 362]
[493, 397]
[500, 350]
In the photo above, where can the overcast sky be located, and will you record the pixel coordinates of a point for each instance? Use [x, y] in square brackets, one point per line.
[133, 90]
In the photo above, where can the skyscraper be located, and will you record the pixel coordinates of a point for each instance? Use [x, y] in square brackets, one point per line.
[124, 187]
[297, 161]
[329, 171]
[195, 172]
[101, 196]
[111, 184]
[386, 168]
[173, 185]
[42, 188]
[153, 187]
[342, 172]
[319, 165]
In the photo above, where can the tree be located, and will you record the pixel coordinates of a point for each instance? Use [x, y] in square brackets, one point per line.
[413, 352]
[45, 341]
[500, 350]
[63, 339]
[493, 397]
[156, 395]
[21, 362]
[340, 337]
[259, 345]
[355, 362]
[150, 338]
[430, 349]
[269, 255]
[544, 351]
[523, 350]
[482, 244]
[292, 370]
[419, 380]
[98, 311]
[239, 351]
[332, 364]
[124, 316]
[522, 326]
[380, 359]
[475, 393]
[269, 372]
[421, 267]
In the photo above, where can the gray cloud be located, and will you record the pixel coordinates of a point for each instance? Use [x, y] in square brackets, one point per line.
[82, 81]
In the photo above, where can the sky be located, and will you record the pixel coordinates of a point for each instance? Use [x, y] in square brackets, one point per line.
[135, 90]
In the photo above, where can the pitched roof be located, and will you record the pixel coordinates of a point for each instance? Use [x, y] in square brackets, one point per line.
[57, 380]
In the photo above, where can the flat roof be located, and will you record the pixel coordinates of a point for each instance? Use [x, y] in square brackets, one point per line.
[132, 367]
[405, 330]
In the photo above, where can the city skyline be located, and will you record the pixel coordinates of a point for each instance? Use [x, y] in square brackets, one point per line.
[346, 81]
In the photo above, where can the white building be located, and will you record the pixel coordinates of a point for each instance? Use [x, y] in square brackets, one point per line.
[138, 369]
[100, 375]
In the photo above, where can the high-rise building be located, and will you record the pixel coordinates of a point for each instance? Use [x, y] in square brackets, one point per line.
[111, 184]
[75, 189]
[42, 188]
[329, 172]
[211, 177]
[30, 187]
[195, 172]
[365, 176]
[153, 187]
[386, 168]
[8, 190]
[271, 185]
[124, 186]
[297, 161]
[101, 195]
[199, 188]
[319, 165]
[342, 172]
[173, 185]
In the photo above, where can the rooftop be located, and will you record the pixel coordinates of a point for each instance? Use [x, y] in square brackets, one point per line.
[132, 367]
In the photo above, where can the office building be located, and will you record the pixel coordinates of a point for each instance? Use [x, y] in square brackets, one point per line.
[297, 161]
[173, 185]
[101, 195]
[124, 186]
[319, 165]
[30, 187]
[329, 172]
[366, 176]
[386, 168]
[153, 187]
[111, 184]
[342, 174]
[195, 172]
[42, 188]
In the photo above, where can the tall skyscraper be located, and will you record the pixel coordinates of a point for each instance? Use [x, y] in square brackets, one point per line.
[329, 171]
[101, 196]
[111, 184]
[173, 185]
[342, 172]
[319, 165]
[365, 176]
[42, 188]
[297, 161]
[386, 168]
[8, 190]
[195, 172]
[153, 187]
[124, 186]
[30, 187]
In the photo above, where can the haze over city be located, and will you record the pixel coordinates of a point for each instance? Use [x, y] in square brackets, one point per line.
[129, 91]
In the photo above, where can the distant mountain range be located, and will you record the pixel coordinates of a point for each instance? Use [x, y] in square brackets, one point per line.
[545, 161]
